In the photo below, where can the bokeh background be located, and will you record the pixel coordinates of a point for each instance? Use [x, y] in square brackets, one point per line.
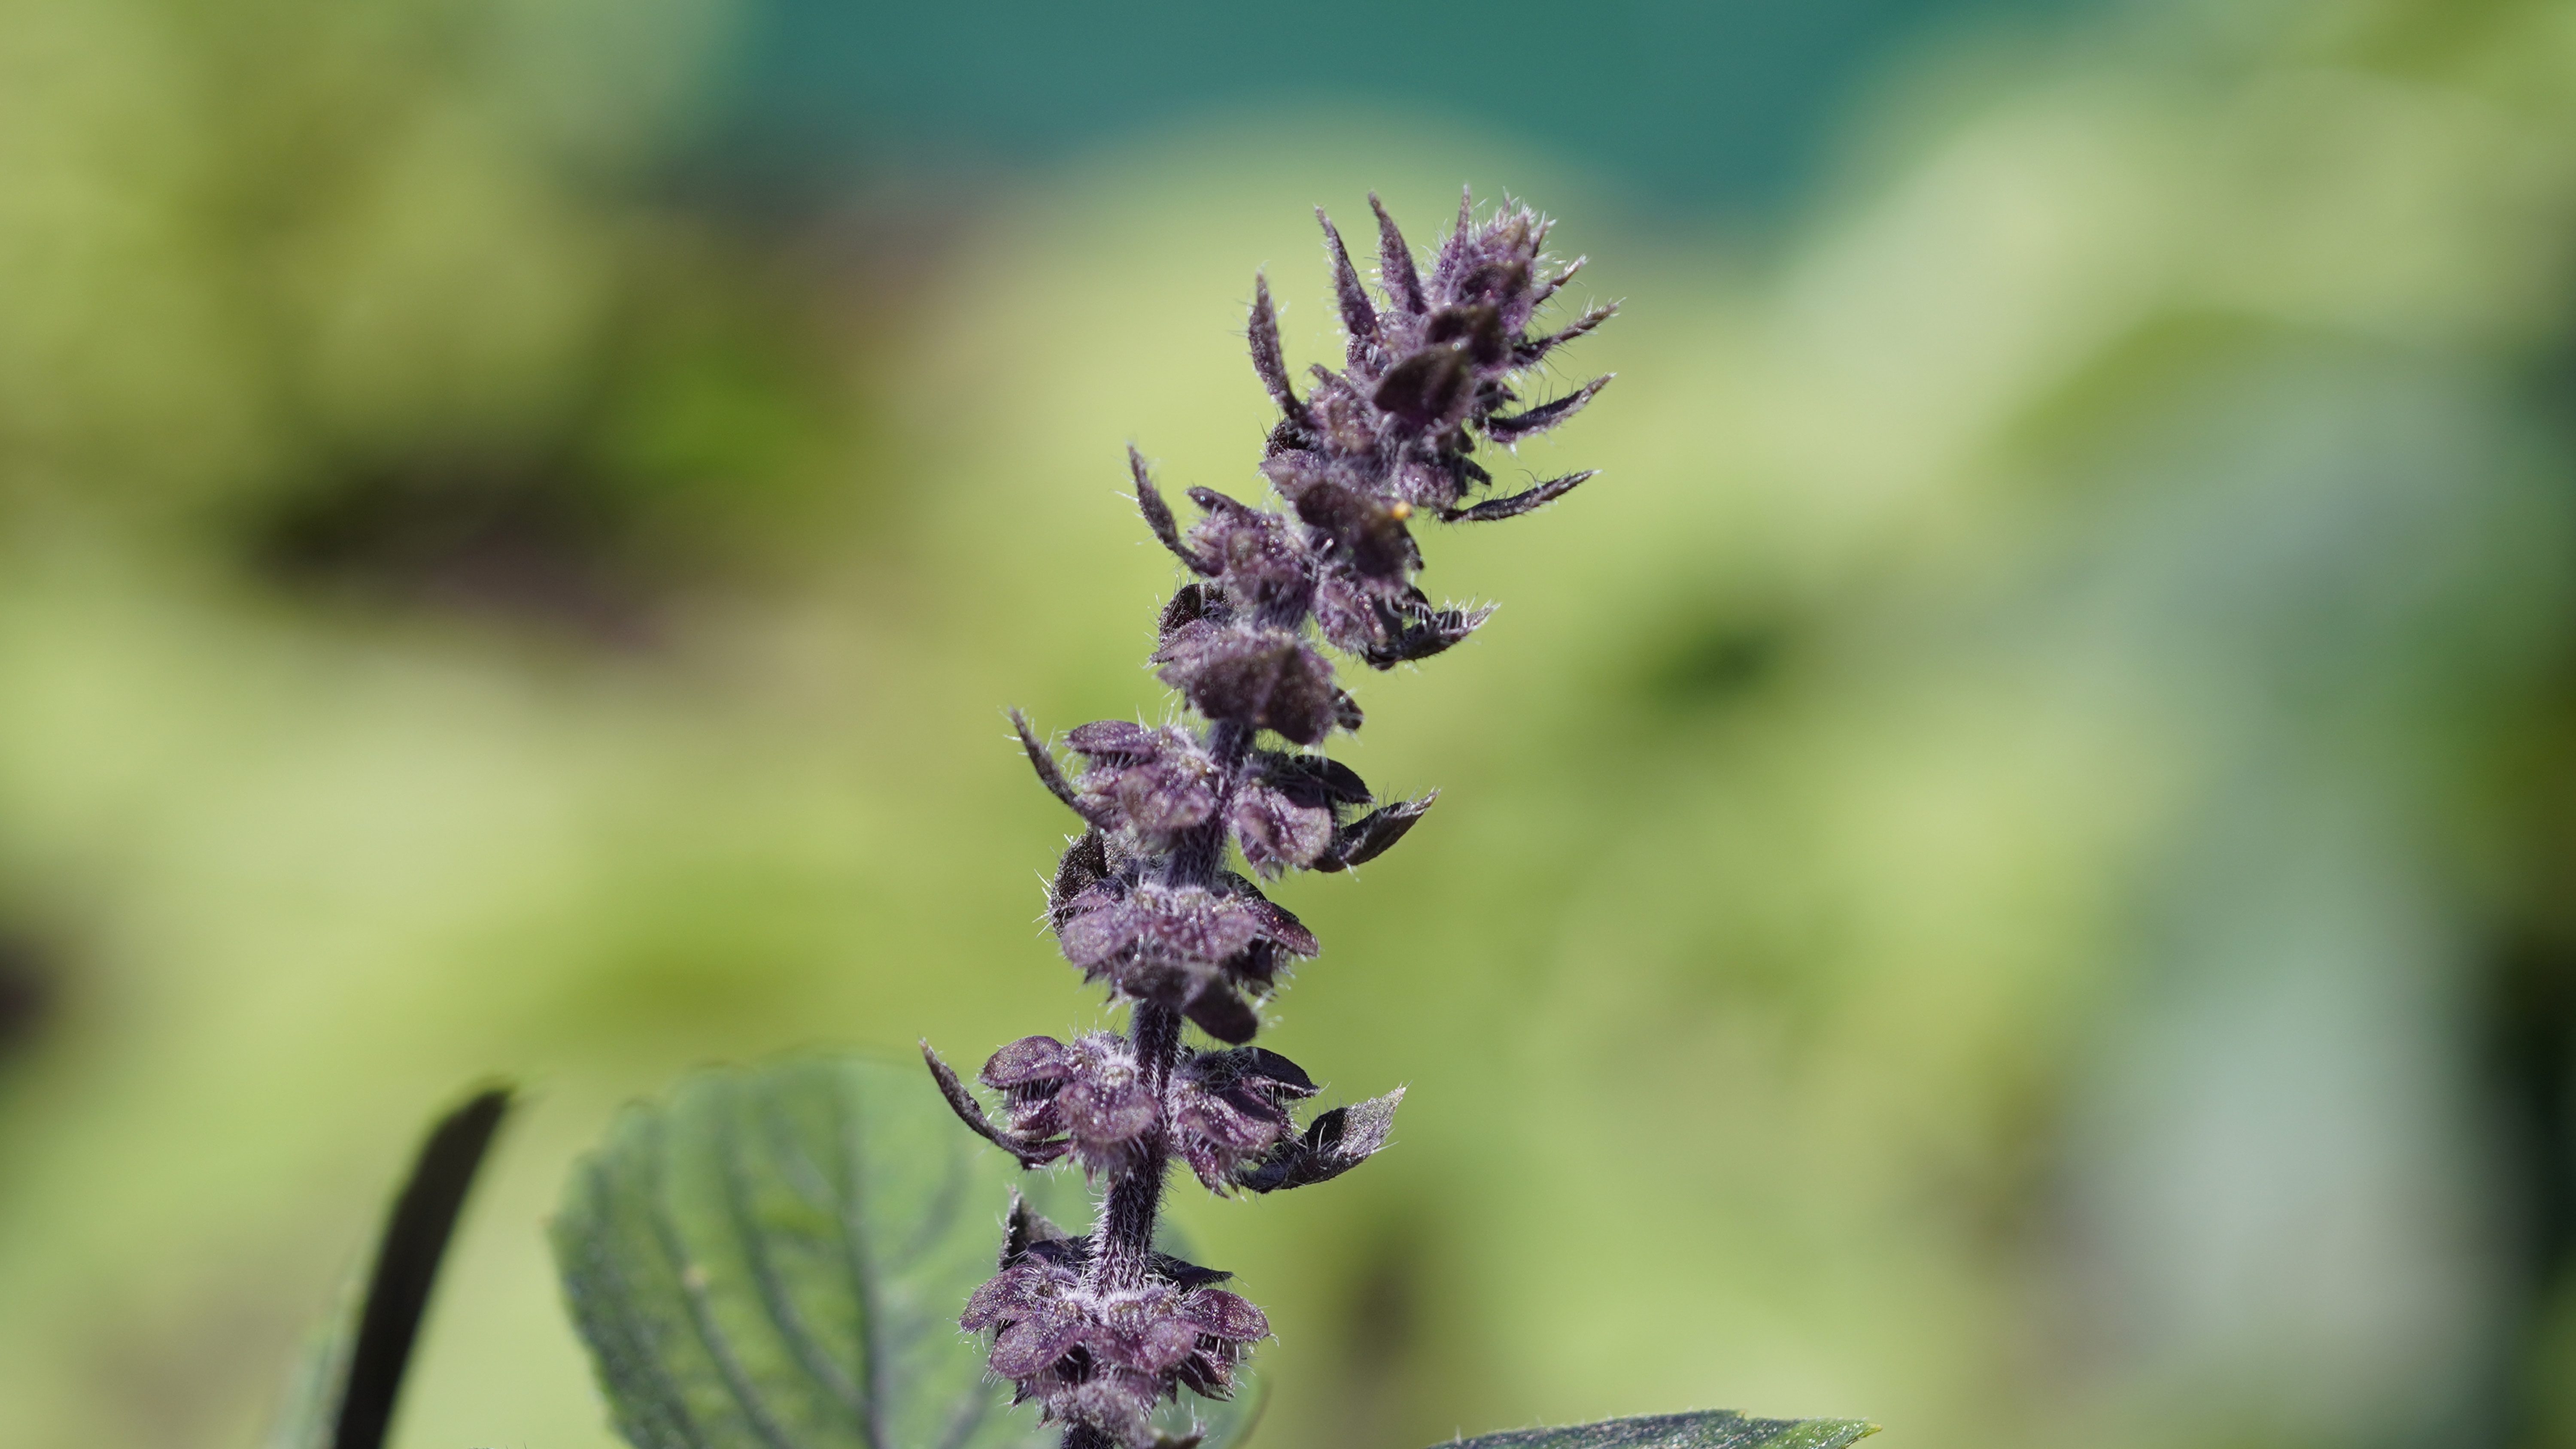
[2010, 867]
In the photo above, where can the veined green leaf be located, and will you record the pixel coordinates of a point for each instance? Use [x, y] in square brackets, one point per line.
[1713, 1429]
[775, 1258]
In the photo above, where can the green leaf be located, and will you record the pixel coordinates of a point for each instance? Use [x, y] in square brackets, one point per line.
[775, 1258]
[350, 1373]
[1713, 1429]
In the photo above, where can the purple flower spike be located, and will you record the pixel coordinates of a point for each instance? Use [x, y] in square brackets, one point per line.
[1098, 1330]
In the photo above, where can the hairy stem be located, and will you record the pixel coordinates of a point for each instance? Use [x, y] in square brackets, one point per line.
[1122, 1245]
[1199, 855]
[1122, 1251]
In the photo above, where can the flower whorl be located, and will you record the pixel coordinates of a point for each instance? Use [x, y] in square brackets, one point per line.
[1103, 1356]
[1100, 1329]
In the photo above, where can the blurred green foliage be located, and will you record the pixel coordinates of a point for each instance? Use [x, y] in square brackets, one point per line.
[373, 295]
[2005, 868]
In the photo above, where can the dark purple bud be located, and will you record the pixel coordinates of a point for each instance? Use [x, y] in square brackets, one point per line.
[1032, 1149]
[1349, 614]
[1185, 923]
[1456, 247]
[1475, 330]
[1276, 832]
[1099, 926]
[1085, 864]
[1189, 605]
[1311, 779]
[1334, 1143]
[1162, 1347]
[1269, 361]
[1264, 565]
[1007, 1296]
[1088, 1097]
[1419, 631]
[1027, 1062]
[1267, 678]
[1160, 800]
[1496, 509]
[1229, 1110]
[1183, 1275]
[1437, 477]
[1368, 532]
[1186, 948]
[1220, 1314]
[1026, 1229]
[1220, 1133]
[1277, 923]
[1041, 760]
[1368, 837]
[1221, 1013]
[1359, 319]
[1158, 515]
[1346, 716]
[1346, 426]
[1268, 1071]
[1528, 353]
[1029, 1346]
[1500, 285]
[1291, 435]
[1108, 1124]
[1427, 388]
[1395, 263]
[1116, 741]
[1545, 416]
[1565, 274]
[1152, 782]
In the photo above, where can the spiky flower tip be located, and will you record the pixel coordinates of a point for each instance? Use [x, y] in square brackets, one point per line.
[1100, 1329]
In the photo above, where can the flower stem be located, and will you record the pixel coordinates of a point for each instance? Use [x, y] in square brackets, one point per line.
[1198, 856]
[1122, 1244]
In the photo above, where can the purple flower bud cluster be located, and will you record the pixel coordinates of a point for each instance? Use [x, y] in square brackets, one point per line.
[1100, 1329]
[1100, 1356]
[1224, 1113]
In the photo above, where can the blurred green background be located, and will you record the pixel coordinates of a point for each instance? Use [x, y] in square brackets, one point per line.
[2010, 867]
